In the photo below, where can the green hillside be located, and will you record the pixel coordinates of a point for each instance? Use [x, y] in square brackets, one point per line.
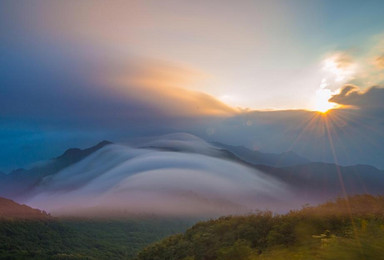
[343, 229]
[82, 239]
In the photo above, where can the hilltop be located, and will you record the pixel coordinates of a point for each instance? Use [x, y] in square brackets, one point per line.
[12, 210]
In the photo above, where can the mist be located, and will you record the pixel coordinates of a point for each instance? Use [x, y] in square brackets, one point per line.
[195, 180]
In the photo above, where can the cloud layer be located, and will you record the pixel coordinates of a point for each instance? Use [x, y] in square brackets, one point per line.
[123, 180]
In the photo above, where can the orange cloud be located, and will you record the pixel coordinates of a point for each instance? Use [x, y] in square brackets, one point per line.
[380, 62]
[165, 87]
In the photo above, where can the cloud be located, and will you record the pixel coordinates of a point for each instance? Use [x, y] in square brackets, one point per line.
[379, 61]
[165, 87]
[339, 68]
[350, 95]
[137, 180]
[76, 96]
[57, 92]
[74, 84]
[339, 60]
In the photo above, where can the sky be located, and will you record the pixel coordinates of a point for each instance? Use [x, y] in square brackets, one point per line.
[76, 72]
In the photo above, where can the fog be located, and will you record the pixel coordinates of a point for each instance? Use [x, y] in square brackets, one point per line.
[194, 180]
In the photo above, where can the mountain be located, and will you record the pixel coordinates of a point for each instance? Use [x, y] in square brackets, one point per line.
[27, 233]
[313, 181]
[181, 174]
[256, 157]
[187, 143]
[74, 155]
[18, 182]
[321, 181]
[12, 210]
[158, 181]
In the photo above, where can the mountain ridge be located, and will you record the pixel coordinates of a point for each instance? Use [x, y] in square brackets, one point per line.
[28, 178]
[309, 182]
[328, 180]
[288, 158]
[10, 209]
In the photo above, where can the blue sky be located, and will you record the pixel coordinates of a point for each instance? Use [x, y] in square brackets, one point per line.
[77, 72]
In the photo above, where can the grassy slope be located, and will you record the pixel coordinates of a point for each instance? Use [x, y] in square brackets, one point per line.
[352, 229]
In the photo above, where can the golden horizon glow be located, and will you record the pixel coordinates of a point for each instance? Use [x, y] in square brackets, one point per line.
[321, 100]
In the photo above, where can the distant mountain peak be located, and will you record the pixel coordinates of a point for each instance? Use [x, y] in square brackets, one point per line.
[76, 152]
[19, 182]
[103, 143]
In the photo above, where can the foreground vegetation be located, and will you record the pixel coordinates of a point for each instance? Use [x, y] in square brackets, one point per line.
[343, 229]
[82, 239]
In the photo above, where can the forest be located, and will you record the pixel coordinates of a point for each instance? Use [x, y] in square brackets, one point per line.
[82, 238]
[351, 228]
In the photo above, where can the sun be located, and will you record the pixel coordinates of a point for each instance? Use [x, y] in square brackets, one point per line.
[321, 100]
[337, 69]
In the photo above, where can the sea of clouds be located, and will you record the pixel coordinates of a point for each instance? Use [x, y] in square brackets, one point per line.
[172, 175]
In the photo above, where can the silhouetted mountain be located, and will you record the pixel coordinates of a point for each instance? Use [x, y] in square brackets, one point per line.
[315, 181]
[257, 157]
[197, 179]
[12, 210]
[163, 169]
[74, 155]
[326, 180]
[18, 182]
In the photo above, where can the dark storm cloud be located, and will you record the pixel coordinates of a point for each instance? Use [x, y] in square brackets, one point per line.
[71, 85]
[350, 95]
[54, 96]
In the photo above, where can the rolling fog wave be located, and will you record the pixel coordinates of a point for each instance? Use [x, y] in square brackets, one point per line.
[123, 179]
